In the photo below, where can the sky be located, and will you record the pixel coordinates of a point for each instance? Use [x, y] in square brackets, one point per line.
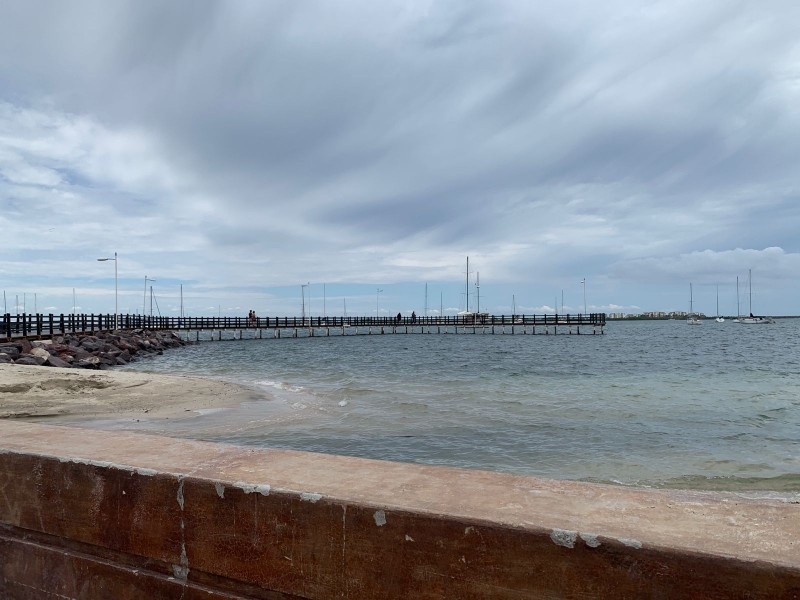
[332, 157]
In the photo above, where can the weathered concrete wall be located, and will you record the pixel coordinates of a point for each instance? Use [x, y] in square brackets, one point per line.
[91, 514]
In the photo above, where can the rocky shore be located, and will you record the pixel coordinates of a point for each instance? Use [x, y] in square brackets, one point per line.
[96, 351]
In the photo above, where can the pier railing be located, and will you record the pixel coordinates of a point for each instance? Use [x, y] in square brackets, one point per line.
[37, 325]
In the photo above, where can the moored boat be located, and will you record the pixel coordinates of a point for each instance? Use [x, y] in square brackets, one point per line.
[752, 319]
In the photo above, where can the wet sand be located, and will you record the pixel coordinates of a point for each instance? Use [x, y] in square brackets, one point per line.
[69, 395]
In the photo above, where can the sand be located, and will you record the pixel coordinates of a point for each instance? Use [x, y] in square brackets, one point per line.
[62, 395]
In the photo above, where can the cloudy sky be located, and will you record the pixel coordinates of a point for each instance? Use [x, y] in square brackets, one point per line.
[238, 150]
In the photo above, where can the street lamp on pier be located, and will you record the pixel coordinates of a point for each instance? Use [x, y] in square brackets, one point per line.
[303, 287]
[583, 283]
[116, 288]
[377, 296]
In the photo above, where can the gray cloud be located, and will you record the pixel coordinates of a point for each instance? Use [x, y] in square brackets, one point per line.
[332, 139]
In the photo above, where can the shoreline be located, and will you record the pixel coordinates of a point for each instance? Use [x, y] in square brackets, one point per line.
[61, 395]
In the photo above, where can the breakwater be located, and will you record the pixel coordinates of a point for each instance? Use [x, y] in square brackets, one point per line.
[100, 350]
[131, 516]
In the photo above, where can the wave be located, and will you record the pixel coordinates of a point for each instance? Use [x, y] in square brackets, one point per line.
[279, 385]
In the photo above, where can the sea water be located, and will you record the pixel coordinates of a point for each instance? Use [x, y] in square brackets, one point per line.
[653, 403]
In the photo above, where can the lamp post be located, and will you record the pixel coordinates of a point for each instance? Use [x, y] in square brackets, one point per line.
[583, 283]
[144, 297]
[377, 295]
[303, 287]
[116, 288]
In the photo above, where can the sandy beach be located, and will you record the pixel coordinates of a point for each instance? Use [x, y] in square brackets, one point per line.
[55, 394]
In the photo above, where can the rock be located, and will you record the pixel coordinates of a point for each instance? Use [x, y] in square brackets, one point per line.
[91, 345]
[80, 353]
[98, 350]
[13, 350]
[54, 361]
[40, 352]
[29, 359]
[91, 362]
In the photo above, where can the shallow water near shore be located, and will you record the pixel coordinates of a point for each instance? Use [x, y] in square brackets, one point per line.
[655, 403]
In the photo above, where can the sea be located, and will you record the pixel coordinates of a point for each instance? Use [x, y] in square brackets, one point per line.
[648, 403]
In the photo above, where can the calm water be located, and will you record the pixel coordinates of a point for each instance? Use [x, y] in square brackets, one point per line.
[655, 403]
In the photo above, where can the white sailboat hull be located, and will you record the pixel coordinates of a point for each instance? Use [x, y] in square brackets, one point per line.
[755, 320]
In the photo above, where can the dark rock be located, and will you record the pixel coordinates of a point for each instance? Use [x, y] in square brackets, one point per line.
[59, 349]
[91, 351]
[91, 345]
[28, 359]
[5, 358]
[54, 361]
[13, 350]
[90, 362]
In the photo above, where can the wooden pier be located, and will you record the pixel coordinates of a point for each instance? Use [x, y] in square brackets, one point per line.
[217, 328]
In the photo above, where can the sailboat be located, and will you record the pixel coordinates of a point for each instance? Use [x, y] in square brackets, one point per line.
[344, 320]
[718, 319]
[472, 317]
[692, 318]
[752, 320]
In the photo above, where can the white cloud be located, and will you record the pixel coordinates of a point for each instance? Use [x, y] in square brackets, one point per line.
[245, 147]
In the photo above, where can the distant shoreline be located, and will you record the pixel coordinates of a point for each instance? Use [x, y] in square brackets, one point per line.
[679, 318]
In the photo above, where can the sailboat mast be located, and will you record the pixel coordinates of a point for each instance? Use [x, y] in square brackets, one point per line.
[738, 310]
[750, 285]
[467, 286]
[478, 289]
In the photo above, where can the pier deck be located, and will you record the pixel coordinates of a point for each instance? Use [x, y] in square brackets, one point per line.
[217, 328]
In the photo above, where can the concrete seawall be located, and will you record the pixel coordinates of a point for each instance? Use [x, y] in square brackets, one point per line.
[94, 514]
